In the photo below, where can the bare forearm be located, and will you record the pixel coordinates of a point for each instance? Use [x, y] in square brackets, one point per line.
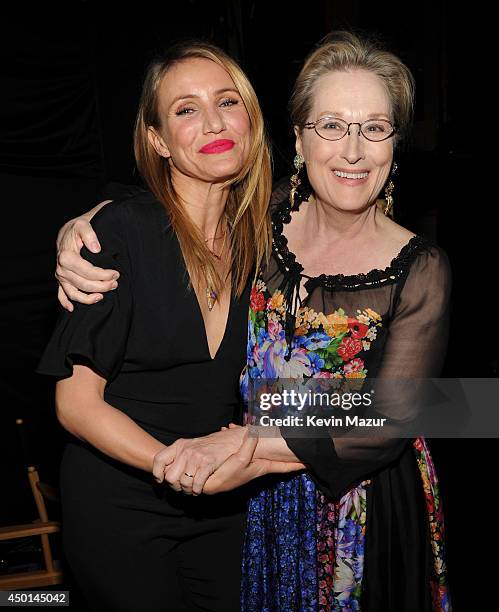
[107, 428]
[272, 446]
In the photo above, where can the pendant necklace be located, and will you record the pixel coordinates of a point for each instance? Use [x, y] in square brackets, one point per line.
[211, 296]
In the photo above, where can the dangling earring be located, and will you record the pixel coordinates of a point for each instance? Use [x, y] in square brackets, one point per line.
[295, 179]
[388, 210]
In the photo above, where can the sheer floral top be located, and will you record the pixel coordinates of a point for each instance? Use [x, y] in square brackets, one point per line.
[390, 323]
[307, 533]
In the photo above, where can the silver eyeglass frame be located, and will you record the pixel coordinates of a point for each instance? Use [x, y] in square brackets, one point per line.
[312, 125]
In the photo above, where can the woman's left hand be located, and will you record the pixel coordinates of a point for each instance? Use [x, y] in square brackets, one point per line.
[187, 463]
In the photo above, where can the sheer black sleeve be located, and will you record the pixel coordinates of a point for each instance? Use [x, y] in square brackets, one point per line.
[415, 348]
[96, 334]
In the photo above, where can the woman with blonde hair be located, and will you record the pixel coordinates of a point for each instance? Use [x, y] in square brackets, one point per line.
[347, 295]
[157, 359]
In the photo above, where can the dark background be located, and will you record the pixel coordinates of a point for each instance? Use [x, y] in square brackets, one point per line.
[71, 79]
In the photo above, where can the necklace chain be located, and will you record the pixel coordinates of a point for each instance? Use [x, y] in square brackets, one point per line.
[211, 295]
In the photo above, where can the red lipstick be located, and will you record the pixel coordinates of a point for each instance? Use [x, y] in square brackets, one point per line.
[217, 146]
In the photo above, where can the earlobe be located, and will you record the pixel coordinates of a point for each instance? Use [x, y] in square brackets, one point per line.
[158, 143]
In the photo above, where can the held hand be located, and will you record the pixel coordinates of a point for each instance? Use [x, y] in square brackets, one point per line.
[74, 273]
[230, 426]
[239, 468]
[187, 463]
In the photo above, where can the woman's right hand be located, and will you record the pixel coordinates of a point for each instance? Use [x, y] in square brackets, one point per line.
[75, 274]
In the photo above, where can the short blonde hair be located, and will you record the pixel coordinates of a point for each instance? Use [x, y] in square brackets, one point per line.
[343, 51]
[247, 205]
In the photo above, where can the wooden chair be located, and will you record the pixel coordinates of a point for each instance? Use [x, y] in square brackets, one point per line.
[40, 527]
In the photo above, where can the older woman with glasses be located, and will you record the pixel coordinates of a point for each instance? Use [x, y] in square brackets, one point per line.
[347, 294]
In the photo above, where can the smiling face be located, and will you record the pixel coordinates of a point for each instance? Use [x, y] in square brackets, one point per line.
[348, 173]
[205, 129]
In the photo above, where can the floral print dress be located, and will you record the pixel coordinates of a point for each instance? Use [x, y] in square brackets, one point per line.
[362, 528]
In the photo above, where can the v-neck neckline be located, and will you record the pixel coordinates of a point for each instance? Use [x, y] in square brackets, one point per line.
[191, 293]
[202, 323]
[197, 307]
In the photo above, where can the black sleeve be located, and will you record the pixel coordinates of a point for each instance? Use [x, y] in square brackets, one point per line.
[415, 349]
[119, 191]
[96, 334]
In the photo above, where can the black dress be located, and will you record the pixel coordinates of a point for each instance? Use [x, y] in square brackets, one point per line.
[131, 543]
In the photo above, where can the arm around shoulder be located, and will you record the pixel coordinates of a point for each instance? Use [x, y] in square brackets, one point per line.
[96, 333]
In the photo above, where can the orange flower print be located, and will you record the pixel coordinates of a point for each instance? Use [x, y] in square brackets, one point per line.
[276, 301]
[374, 315]
[338, 322]
[301, 331]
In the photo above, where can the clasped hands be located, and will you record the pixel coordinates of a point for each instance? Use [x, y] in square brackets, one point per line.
[215, 463]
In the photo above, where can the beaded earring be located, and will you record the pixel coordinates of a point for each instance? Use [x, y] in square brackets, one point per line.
[388, 210]
[295, 179]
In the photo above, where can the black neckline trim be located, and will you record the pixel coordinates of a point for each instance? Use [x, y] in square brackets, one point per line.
[288, 265]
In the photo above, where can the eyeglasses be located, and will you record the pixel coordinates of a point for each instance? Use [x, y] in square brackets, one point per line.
[332, 128]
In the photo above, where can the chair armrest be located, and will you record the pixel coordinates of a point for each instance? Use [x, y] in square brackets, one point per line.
[21, 531]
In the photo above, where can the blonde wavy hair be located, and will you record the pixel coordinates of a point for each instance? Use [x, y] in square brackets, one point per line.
[246, 210]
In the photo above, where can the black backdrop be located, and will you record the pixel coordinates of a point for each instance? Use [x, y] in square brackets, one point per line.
[71, 79]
